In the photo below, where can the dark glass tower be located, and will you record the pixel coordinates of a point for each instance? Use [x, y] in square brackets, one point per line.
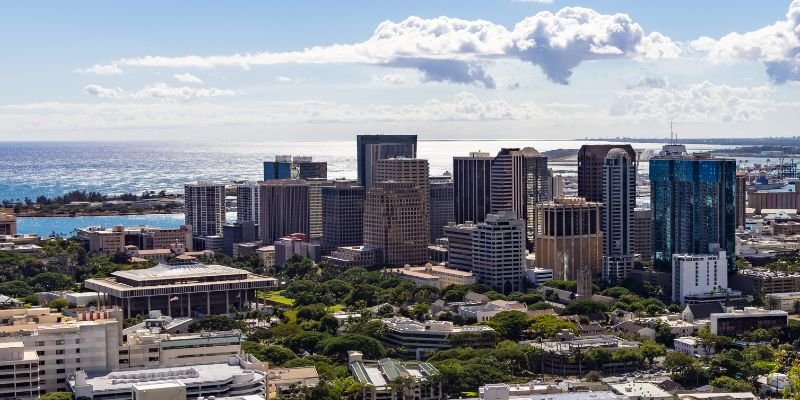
[693, 203]
[537, 189]
[591, 166]
[370, 148]
[472, 187]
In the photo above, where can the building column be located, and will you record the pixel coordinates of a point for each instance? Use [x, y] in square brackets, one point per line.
[169, 305]
[128, 302]
[189, 305]
[227, 301]
[208, 303]
[149, 307]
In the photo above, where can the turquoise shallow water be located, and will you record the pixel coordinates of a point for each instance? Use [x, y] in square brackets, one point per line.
[66, 226]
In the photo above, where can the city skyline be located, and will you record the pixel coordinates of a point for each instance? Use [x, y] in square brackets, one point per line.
[505, 69]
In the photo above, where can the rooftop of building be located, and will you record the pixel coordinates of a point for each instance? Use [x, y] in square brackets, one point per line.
[748, 312]
[403, 324]
[569, 345]
[765, 273]
[430, 271]
[382, 372]
[573, 396]
[783, 296]
[182, 270]
[195, 374]
[281, 375]
[644, 390]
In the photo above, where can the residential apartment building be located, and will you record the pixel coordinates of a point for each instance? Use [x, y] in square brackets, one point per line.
[472, 187]
[693, 203]
[248, 202]
[619, 201]
[396, 223]
[591, 167]
[508, 182]
[569, 237]
[284, 209]
[204, 204]
[537, 189]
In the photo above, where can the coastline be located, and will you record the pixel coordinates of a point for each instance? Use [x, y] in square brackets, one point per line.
[96, 214]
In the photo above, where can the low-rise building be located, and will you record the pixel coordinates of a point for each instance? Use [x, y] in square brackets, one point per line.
[538, 276]
[698, 275]
[640, 391]
[558, 354]
[352, 256]
[504, 391]
[691, 345]
[789, 302]
[232, 378]
[180, 290]
[8, 222]
[757, 281]
[740, 321]
[145, 349]
[437, 276]
[283, 381]
[422, 338]
[485, 312]
[701, 311]
[379, 378]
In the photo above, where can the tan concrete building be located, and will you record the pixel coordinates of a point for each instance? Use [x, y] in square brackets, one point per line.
[784, 197]
[315, 205]
[284, 209]
[101, 240]
[437, 276]
[411, 170]
[569, 237]
[8, 223]
[116, 238]
[143, 349]
[395, 223]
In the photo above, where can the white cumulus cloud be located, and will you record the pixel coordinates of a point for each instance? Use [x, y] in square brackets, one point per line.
[102, 70]
[776, 45]
[188, 78]
[458, 50]
[157, 90]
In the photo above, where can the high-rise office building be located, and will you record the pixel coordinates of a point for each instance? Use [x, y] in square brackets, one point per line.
[508, 182]
[248, 202]
[693, 203]
[240, 232]
[371, 148]
[315, 205]
[641, 234]
[741, 199]
[342, 215]
[412, 170]
[569, 238]
[619, 201]
[205, 207]
[556, 185]
[537, 189]
[298, 167]
[591, 163]
[498, 251]
[493, 250]
[395, 224]
[472, 187]
[441, 205]
[284, 209]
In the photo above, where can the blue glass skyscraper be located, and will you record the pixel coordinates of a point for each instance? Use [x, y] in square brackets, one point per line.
[693, 203]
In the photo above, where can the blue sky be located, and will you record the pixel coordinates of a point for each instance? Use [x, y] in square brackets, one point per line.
[570, 69]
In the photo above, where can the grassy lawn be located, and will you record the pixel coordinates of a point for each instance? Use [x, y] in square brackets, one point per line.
[291, 315]
[278, 298]
[336, 308]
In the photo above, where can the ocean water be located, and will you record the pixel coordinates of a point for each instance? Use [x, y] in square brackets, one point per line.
[30, 169]
[66, 226]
